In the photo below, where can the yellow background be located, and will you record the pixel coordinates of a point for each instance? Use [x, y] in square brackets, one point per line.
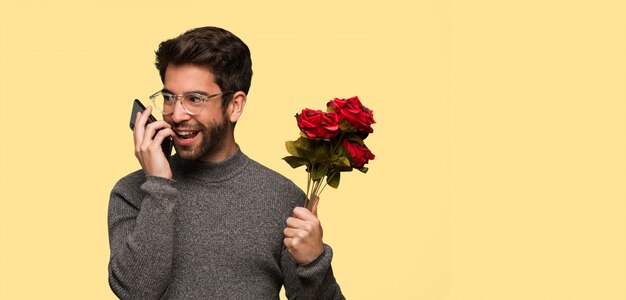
[500, 145]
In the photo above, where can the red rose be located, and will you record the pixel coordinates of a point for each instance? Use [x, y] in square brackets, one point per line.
[357, 115]
[360, 154]
[317, 124]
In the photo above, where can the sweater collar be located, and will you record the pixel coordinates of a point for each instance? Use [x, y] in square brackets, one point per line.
[210, 172]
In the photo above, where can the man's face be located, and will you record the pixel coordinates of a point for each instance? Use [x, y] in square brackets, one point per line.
[197, 136]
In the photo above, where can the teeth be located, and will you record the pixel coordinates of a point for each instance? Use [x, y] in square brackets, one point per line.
[184, 132]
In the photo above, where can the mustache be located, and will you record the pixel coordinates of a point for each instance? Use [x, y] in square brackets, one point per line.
[187, 127]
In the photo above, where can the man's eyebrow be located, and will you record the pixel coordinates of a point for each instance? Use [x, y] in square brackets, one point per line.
[198, 92]
[165, 90]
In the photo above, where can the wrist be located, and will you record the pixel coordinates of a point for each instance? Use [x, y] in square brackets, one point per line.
[318, 266]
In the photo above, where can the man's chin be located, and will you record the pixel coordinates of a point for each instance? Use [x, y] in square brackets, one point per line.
[188, 148]
[186, 155]
[186, 152]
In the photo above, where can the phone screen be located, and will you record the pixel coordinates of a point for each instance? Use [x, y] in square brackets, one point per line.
[139, 107]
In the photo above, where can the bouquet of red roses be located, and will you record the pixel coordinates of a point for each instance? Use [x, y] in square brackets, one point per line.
[331, 142]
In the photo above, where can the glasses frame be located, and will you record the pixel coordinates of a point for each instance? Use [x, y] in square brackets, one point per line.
[203, 97]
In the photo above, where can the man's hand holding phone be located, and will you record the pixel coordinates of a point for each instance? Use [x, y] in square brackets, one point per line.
[148, 140]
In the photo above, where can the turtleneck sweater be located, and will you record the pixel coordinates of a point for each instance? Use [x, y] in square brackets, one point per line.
[213, 231]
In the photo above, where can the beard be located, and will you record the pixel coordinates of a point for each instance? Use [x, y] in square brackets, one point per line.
[212, 137]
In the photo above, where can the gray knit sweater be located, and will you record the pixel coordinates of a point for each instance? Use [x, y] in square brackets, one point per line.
[215, 231]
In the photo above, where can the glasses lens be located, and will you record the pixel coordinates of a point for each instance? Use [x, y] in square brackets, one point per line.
[164, 103]
[194, 102]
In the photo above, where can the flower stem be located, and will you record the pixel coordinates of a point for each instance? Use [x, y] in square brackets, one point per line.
[308, 184]
[336, 147]
[314, 193]
[325, 184]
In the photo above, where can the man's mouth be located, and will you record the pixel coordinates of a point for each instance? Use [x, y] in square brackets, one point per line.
[186, 134]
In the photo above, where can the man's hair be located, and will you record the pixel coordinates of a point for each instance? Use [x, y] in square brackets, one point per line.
[223, 53]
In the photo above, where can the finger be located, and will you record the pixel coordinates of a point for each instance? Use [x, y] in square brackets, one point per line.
[303, 214]
[140, 126]
[161, 135]
[290, 232]
[288, 243]
[296, 223]
[151, 130]
[292, 244]
[314, 207]
[136, 135]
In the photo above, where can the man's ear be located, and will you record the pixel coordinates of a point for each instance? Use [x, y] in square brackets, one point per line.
[236, 105]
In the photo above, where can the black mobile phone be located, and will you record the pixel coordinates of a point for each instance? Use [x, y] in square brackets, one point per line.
[138, 107]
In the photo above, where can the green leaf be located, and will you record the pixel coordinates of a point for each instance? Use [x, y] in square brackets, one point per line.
[341, 151]
[363, 169]
[291, 148]
[322, 151]
[305, 149]
[355, 139]
[343, 169]
[319, 171]
[346, 127]
[339, 161]
[296, 162]
[333, 179]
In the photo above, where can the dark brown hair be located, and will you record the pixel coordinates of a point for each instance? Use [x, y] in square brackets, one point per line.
[223, 53]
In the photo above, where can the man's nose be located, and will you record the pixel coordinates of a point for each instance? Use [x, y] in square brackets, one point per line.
[179, 114]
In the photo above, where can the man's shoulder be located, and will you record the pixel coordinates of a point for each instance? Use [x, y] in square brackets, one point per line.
[261, 170]
[128, 187]
[134, 178]
[270, 177]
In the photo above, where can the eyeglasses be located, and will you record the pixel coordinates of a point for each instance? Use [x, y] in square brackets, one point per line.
[193, 103]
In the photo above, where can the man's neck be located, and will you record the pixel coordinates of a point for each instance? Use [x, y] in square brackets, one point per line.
[227, 149]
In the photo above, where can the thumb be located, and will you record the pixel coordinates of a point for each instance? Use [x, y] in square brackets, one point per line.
[314, 207]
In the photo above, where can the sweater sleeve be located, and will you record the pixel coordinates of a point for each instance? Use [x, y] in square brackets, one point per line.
[314, 280]
[141, 231]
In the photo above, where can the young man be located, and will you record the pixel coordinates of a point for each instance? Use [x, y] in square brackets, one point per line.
[209, 222]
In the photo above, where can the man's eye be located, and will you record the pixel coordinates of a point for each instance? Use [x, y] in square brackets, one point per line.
[195, 99]
[168, 98]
